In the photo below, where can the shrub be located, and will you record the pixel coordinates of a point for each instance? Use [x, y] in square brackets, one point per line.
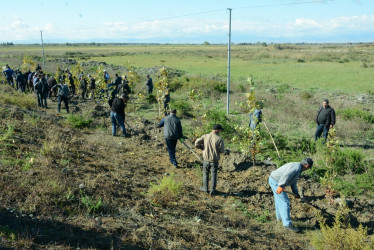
[306, 95]
[183, 107]
[340, 235]
[151, 99]
[175, 84]
[218, 116]
[221, 87]
[165, 192]
[352, 113]
[78, 121]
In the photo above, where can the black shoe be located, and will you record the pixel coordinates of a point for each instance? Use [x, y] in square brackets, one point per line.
[213, 193]
[292, 228]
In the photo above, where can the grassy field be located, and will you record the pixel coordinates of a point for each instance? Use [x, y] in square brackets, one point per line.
[75, 185]
[344, 68]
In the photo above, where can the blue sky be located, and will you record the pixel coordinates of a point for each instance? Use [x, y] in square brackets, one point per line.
[193, 21]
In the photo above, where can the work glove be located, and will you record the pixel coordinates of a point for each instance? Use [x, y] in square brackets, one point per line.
[181, 140]
[280, 190]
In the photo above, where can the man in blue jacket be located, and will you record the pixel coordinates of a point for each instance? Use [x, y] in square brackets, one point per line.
[287, 175]
[172, 133]
[9, 73]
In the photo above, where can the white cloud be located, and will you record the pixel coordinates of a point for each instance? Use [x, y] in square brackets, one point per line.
[186, 28]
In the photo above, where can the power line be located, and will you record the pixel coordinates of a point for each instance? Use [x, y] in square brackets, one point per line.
[203, 12]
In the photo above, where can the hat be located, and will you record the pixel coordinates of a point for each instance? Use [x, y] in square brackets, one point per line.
[308, 161]
[217, 126]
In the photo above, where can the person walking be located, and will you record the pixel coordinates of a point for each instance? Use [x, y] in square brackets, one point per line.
[149, 84]
[51, 83]
[20, 81]
[172, 133]
[62, 95]
[38, 87]
[9, 73]
[45, 91]
[92, 86]
[212, 146]
[287, 175]
[83, 87]
[117, 114]
[325, 120]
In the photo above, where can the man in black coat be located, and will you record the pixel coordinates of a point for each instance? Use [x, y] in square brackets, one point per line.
[117, 114]
[325, 120]
[149, 84]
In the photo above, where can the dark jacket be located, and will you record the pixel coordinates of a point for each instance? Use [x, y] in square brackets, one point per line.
[63, 90]
[9, 73]
[172, 127]
[149, 82]
[51, 82]
[83, 84]
[118, 106]
[331, 119]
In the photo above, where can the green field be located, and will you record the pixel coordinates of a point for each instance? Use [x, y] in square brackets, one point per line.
[343, 68]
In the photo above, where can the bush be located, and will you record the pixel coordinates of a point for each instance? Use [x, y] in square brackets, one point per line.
[78, 121]
[348, 160]
[341, 235]
[217, 116]
[165, 192]
[306, 95]
[183, 107]
[352, 113]
[175, 84]
[151, 99]
[221, 87]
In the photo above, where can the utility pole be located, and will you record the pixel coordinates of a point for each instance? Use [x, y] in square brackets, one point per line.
[228, 64]
[41, 36]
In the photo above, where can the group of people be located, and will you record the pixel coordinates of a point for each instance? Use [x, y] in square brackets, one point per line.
[211, 144]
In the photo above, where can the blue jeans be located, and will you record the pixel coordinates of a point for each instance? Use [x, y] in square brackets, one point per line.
[282, 204]
[171, 144]
[116, 118]
[321, 129]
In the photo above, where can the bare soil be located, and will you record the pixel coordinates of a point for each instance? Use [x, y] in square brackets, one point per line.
[42, 204]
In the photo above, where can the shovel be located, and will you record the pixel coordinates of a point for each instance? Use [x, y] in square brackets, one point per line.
[135, 132]
[185, 144]
[310, 204]
[272, 139]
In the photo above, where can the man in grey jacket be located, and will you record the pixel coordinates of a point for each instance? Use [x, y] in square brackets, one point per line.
[212, 146]
[287, 175]
[172, 133]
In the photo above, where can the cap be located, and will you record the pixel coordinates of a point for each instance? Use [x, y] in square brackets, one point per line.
[217, 126]
[308, 161]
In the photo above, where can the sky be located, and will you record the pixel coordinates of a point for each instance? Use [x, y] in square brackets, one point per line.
[189, 21]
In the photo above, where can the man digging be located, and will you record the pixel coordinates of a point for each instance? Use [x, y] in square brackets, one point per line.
[212, 146]
[287, 175]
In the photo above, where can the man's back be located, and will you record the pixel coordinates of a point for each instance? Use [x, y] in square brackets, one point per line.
[212, 146]
[172, 127]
